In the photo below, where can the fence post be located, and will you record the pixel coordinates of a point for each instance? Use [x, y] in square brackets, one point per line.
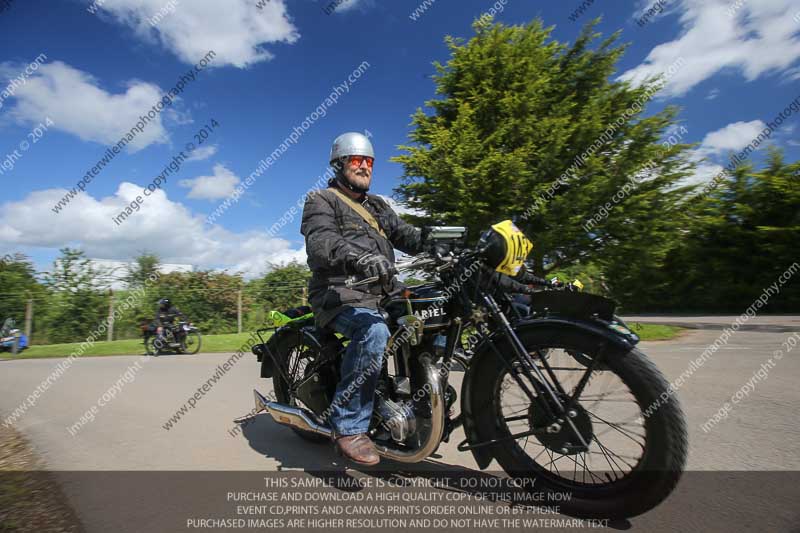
[110, 315]
[305, 296]
[239, 310]
[28, 318]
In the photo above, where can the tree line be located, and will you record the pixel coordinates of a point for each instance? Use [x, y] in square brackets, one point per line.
[74, 296]
[542, 132]
[513, 133]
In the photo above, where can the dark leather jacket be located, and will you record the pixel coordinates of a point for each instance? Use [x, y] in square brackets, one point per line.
[335, 236]
[168, 316]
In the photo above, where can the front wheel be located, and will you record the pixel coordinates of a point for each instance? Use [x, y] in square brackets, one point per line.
[190, 344]
[623, 448]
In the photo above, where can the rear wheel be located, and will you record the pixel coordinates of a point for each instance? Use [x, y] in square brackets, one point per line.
[154, 346]
[298, 358]
[631, 462]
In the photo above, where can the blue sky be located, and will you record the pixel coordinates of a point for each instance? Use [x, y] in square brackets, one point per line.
[273, 67]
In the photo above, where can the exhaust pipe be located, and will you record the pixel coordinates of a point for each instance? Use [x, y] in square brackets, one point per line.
[298, 418]
[290, 416]
[416, 455]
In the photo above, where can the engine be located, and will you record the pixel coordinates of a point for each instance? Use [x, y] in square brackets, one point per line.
[398, 419]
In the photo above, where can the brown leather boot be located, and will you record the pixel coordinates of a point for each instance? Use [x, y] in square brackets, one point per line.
[358, 448]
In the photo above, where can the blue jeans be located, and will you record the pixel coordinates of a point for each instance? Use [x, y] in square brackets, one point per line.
[352, 404]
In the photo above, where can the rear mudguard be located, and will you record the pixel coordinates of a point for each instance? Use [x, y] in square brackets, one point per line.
[271, 352]
[470, 396]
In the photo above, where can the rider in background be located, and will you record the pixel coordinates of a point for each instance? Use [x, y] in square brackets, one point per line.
[166, 313]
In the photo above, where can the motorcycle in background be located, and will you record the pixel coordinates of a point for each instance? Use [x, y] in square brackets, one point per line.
[181, 337]
[11, 338]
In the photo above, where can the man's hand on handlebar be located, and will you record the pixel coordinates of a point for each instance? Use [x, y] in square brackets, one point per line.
[571, 287]
[375, 266]
[529, 290]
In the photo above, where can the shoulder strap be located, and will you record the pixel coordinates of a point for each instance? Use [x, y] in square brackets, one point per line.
[358, 208]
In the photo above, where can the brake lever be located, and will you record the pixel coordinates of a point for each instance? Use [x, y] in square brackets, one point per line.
[353, 282]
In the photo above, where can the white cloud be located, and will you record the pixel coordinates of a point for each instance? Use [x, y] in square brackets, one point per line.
[400, 208]
[235, 29]
[203, 153]
[760, 38]
[712, 94]
[347, 5]
[717, 145]
[220, 185]
[732, 137]
[75, 103]
[653, 9]
[793, 74]
[88, 224]
[703, 173]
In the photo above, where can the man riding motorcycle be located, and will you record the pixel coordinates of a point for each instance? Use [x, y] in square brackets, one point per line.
[348, 231]
[322, 389]
[166, 313]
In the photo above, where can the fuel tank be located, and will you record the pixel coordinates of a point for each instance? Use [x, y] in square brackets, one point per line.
[427, 302]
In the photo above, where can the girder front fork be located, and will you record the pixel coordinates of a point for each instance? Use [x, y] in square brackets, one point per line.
[545, 397]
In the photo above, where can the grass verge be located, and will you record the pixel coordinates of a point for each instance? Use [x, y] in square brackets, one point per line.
[210, 343]
[233, 341]
[655, 332]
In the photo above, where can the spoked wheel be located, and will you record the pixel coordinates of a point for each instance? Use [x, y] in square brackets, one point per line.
[154, 346]
[606, 458]
[191, 342]
[298, 358]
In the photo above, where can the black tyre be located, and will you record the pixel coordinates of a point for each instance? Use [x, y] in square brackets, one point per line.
[190, 344]
[154, 346]
[298, 357]
[639, 459]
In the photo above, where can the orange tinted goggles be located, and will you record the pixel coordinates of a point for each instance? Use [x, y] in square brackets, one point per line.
[356, 160]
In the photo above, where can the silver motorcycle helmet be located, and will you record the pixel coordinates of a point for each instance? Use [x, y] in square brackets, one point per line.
[351, 143]
[347, 144]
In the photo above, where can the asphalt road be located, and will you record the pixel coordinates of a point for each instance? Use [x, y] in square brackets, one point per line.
[760, 433]
[775, 323]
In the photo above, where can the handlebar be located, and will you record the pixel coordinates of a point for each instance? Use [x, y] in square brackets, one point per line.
[352, 281]
[414, 263]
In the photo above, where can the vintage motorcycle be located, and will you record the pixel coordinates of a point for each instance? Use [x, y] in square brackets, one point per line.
[11, 338]
[182, 337]
[560, 396]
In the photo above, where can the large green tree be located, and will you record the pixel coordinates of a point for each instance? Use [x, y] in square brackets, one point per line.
[528, 128]
[78, 303]
[144, 266]
[739, 239]
[208, 298]
[282, 287]
[19, 283]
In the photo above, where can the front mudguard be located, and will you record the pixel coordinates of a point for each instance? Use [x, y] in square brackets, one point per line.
[470, 396]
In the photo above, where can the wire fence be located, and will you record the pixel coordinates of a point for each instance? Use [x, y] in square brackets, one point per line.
[48, 318]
